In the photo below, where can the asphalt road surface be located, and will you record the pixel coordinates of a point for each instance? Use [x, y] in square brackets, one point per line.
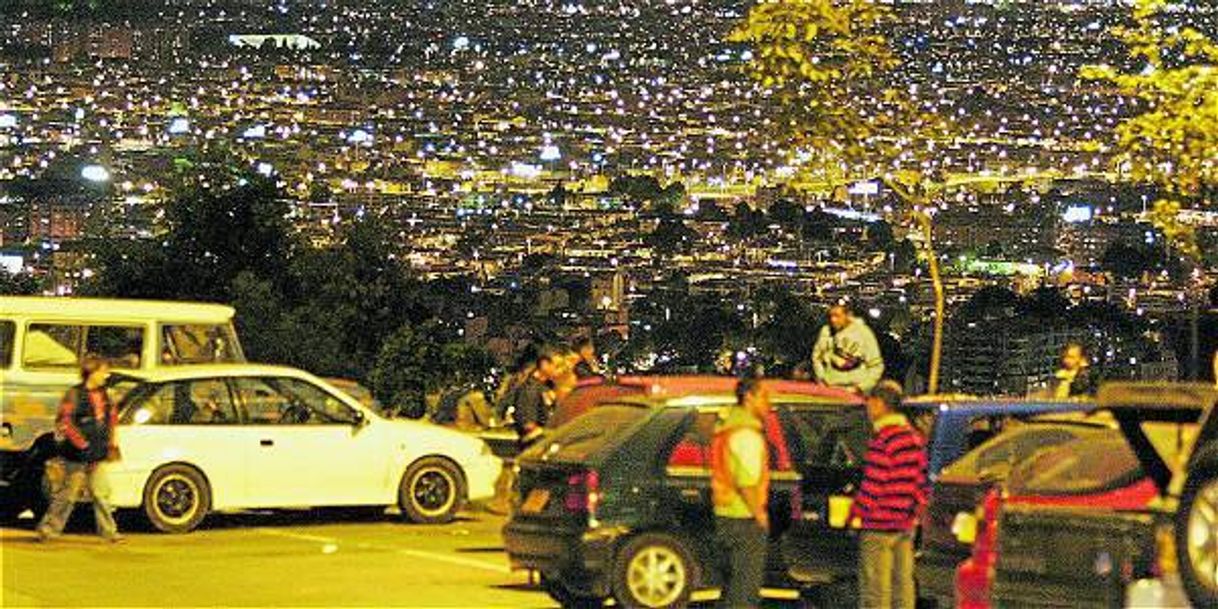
[275, 559]
[284, 559]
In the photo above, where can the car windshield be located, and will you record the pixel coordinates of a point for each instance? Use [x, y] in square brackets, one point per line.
[1086, 465]
[994, 458]
[580, 438]
[199, 344]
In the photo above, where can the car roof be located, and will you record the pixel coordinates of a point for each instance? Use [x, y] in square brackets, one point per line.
[719, 400]
[1002, 405]
[1157, 396]
[672, 385]
[101, 309]
[165, 374]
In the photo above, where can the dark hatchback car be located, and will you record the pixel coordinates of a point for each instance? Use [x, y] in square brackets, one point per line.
[960, 487]
[616, 503]
[1062, 557]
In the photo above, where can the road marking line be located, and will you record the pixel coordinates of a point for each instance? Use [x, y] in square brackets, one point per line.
[457, 560]
[454, 560]
[300, 536]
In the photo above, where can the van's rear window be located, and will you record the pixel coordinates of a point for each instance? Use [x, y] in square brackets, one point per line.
[588, 433]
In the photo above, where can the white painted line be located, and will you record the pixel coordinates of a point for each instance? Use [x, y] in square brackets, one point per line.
[457, 560]
[331, 545]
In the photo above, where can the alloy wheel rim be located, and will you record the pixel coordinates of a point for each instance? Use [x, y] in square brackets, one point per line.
[656, 576]
[1203, 535]
[176, 498]
[432, 491]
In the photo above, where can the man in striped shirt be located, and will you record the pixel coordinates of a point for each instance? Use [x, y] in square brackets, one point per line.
[889, 502]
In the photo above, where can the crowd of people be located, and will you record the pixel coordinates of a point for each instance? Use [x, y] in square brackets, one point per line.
[885, 508]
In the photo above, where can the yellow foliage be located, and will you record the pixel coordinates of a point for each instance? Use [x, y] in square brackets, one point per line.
[1173, 141]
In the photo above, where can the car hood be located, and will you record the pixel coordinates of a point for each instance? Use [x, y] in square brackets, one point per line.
[436, 438]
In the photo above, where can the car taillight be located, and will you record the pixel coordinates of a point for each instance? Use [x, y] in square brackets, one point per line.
[583, 493]
[975, 576]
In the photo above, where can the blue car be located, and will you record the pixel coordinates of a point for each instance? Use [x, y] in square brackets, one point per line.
[824, 557]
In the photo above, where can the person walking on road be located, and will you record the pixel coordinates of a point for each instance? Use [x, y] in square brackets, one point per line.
[87, 422]
[740, 481]
[846, 353]
[889, 502]
[1074, 379]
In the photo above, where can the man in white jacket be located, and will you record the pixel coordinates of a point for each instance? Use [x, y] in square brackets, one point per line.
[846, 353]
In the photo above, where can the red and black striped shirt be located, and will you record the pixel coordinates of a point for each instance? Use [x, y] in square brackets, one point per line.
[894, 478]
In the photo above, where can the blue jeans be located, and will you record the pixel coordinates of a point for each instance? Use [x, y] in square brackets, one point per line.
[66, 491]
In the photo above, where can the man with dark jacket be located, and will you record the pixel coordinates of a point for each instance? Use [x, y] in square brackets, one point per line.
[532, 400]
[87, 421]
[1074, 379]
[889, 502]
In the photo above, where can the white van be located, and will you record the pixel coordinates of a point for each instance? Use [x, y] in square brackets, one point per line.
[43, 338]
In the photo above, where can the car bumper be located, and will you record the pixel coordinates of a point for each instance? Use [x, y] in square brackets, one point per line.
[480, 477]
[580, 558]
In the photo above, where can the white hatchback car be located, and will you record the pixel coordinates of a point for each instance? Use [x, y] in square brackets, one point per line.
[196, 439]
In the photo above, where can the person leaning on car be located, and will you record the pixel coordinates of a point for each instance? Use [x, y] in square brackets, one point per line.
[740, 481]
[889, 502]
[87, 420]
[532, 400]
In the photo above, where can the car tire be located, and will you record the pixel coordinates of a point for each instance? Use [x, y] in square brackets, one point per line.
[432, 491]
[176, 499]
[1197, 533]
[654, 570]
[564, 597]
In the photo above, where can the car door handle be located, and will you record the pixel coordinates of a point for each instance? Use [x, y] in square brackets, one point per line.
[267, 442]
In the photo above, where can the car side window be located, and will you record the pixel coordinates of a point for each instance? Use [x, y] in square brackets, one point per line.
[288, 401]
[54, 345]
[693, 450]
[203, 402]
[822, 438]
[197, 402]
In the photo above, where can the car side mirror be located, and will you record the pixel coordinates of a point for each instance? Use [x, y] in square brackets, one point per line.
[358, 419]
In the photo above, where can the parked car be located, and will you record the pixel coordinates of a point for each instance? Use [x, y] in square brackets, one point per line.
[198, 439]
[41, 342]
[1095, 471]
[592, 392]
[629, 481]
[960, 487]
[1190, 492]
[1053, 555]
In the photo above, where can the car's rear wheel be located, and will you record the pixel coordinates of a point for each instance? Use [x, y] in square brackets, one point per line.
[176, 499]
[654, 570]
[565, 597]
[432, 491]
[1197, 534]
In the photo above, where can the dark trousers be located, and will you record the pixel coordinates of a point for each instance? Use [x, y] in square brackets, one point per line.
[742, 543]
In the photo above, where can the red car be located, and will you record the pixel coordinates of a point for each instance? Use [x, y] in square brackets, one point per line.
[593, 391]
[1087, 473]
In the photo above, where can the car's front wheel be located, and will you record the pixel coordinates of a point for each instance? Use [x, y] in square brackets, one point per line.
[654, 570]
[1197, 534]
[176, 499]
[432, 491]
